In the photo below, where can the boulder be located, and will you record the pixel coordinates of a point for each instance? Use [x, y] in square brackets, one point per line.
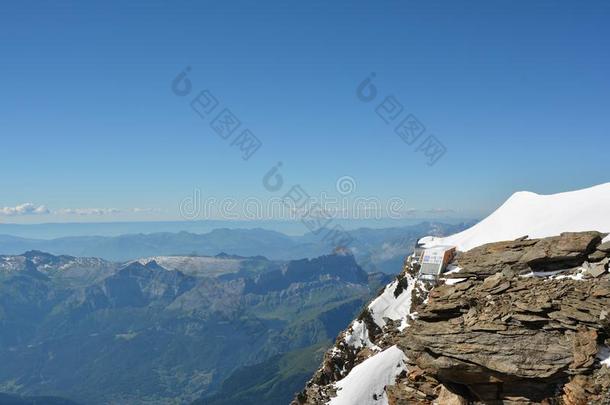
[569, 249]
[597, 269]
[447, 397]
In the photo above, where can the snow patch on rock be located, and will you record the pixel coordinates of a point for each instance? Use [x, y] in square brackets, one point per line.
[452, 270]
[453, 281]
[604, 355]
[365, 384]
[579, 276]
[387, 305]
[358, 336]
[557, 274]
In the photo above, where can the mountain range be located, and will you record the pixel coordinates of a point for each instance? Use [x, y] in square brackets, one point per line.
[171, 330]
[375, 249]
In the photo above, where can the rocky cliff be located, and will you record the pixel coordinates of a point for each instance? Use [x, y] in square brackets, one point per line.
[515, 322]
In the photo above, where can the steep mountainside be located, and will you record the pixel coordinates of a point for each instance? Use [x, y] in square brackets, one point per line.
[173, 327]
[522, 321]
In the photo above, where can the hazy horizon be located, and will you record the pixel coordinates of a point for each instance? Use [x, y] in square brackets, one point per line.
[111, 229]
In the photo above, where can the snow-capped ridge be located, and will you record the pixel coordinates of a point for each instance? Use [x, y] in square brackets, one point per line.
[536, 216]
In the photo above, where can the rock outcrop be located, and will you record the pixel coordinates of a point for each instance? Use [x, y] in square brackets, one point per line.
[516, 322]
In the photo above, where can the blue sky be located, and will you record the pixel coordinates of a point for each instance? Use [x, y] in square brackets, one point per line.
[516, 91]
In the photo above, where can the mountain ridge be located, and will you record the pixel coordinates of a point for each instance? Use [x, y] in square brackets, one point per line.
[376, 249]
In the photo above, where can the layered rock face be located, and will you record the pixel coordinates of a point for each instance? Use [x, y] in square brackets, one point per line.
[518, 322]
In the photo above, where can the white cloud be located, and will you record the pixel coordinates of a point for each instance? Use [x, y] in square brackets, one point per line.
[24, 209]
[145, 210]
[104, 211]
[88, 211]
[32, 209]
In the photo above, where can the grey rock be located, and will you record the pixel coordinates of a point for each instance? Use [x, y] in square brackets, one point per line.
[597, 269]
[514, 257]
[604, 247]
[569, 248]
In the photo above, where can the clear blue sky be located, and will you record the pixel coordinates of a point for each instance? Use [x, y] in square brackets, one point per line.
[517, 91]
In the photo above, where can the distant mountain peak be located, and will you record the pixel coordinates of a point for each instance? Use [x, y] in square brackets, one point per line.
[342, 251]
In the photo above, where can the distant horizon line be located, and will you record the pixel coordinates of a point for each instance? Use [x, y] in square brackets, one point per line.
[203, 221]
